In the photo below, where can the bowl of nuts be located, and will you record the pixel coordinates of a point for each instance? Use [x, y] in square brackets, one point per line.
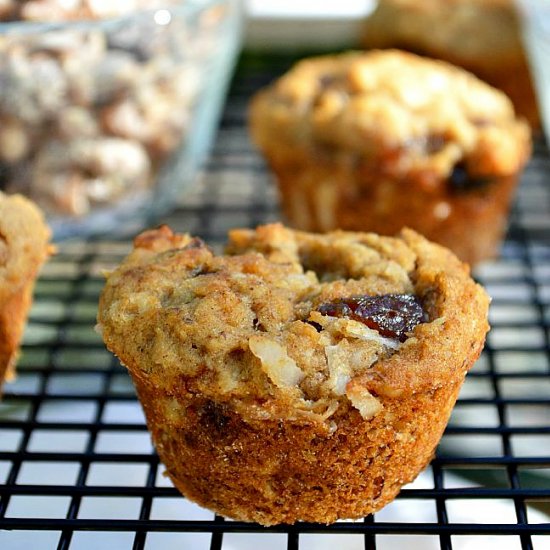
[108, 109]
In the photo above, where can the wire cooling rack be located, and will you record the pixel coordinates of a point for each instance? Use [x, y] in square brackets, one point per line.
[77, 469]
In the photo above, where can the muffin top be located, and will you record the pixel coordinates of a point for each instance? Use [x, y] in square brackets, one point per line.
[24, 238]
[391, 109]
[293, 325]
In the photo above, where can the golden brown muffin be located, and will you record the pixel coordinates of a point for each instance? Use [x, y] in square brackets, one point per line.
[298, 376]
[383, 140]
[24, 238]
[483, 36]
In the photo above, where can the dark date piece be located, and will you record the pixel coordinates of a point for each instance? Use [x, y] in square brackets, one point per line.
[461, 180]
[392, 315]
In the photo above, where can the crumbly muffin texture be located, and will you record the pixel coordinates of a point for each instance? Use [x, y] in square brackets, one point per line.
[384, 140]
[24, 247]
[246, 314]
[262, 404]
[397, 109]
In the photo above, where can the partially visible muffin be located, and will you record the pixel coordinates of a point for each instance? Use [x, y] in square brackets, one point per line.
[483, 36]
[24, 238]
[381, 140]
[298, 376]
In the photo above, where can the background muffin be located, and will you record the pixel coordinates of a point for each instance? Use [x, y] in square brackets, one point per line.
[483, 36]
[381, 140]
[299, 376]
[24, 248]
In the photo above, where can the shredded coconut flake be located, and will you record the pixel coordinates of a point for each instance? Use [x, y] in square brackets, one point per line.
[276, 363]
[355, 329]
[339, 370]
[367, 405]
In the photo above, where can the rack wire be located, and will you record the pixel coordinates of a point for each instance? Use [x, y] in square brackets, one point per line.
[77, 469]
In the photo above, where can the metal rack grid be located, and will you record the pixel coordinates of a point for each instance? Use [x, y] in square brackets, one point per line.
[77, 469]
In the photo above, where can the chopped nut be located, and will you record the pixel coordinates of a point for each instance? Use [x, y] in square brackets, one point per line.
[14, 142]
[63, 87]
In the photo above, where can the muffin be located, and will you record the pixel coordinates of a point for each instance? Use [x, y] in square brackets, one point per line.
[383, 140]
[298, 376]
[483, 36]
[24, 247]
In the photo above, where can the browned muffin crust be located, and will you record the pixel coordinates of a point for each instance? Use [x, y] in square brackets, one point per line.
[383, 140]
[24, 238]
[262, 407]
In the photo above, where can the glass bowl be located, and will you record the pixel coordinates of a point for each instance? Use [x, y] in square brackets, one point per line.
[103, 122]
